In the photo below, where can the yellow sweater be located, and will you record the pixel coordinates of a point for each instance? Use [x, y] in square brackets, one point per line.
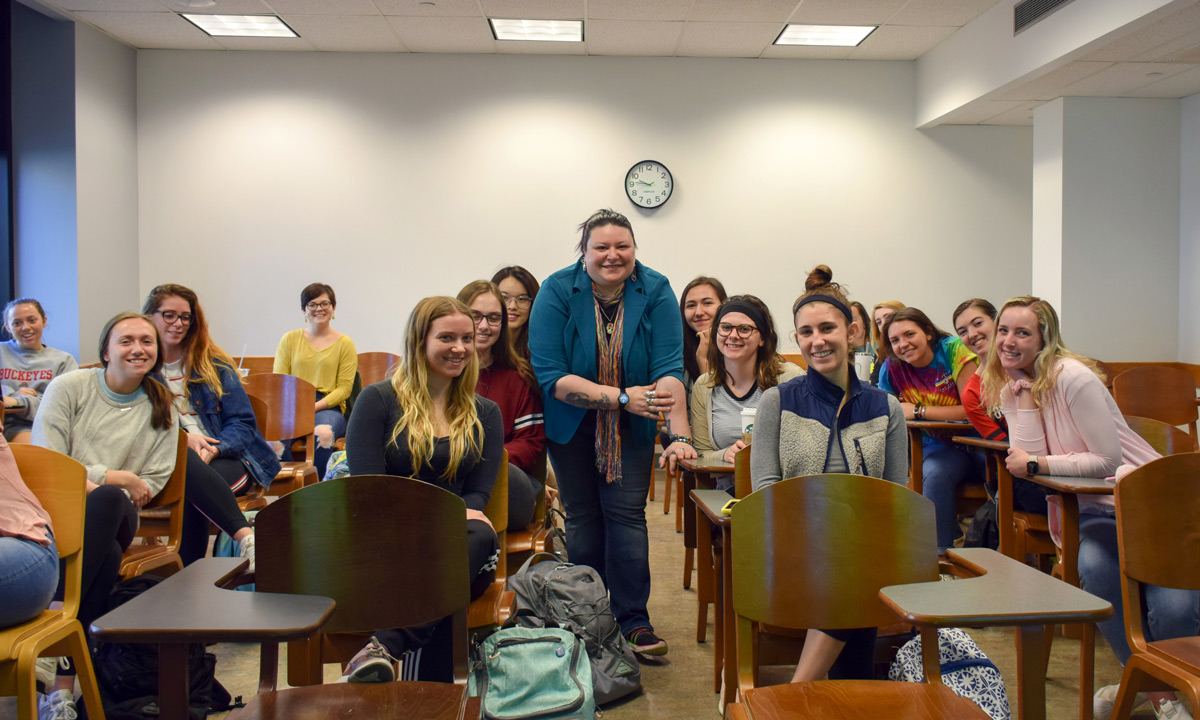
[330, 370]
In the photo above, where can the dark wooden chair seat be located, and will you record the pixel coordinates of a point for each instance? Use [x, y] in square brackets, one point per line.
[868, 698]
[424, 700]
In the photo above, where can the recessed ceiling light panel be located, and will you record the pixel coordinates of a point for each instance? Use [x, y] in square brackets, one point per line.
[538, 30]
[241, 25]
[827, 35]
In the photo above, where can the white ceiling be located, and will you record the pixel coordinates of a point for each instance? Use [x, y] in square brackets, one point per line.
[1159, 60]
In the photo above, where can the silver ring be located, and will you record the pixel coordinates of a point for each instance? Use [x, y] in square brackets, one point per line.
[649, 395]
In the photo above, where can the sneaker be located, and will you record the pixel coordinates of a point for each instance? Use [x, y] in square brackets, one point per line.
[645, 642]
[1106, 697]
[58, 705]
[1172, 710]
[247, 551]
[372, 664]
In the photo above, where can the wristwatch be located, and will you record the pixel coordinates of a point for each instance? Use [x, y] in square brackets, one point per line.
[1031, 467]
[622, 400]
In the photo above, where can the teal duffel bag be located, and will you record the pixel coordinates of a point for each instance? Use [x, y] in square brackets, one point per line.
[533, 673]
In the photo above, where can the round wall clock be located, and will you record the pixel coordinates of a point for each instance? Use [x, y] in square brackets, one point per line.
[649, 184]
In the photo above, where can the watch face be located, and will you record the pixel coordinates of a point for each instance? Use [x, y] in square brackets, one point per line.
[649, 184]
[623, 398]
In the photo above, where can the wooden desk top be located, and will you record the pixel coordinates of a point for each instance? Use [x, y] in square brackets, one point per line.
[981, 443]
[189, 607]
[710, 503]
[1005, 592]
[1074, 485]
[960, 425]
[695, 465]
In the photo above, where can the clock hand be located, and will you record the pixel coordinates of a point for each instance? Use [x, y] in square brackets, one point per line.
[645, 183]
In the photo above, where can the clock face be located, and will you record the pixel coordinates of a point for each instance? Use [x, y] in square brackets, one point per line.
[649, 184]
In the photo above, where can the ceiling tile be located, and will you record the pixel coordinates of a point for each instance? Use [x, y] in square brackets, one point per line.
[1121, 78]
[428, 8]
[260, 43]
[628, 37]
[743, 11]
[1144, 41]
[1022, 115]
[976, 112]
[323, 7]
[1185, 48]
[347, 33]
[955, 13]
[705, 39]
[535, 9]
[110, 5]
[445, 34]
[1173, 86]
[655, 10]
[895, 42]
[806, 52]
[1050, 85]
[840, 12]
[227, 7]
[151, 30]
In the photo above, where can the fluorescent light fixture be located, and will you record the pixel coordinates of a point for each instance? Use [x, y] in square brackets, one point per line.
[834, 35]
[241, 25]
[538, 30]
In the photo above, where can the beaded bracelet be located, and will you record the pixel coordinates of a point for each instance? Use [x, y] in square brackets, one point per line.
[682, 439]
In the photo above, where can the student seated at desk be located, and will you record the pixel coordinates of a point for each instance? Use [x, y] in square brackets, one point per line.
[427, 422]
[698, 305]
[518, 290]
[27, 365]
[828, 421]
[879, 315]
[1063, 421]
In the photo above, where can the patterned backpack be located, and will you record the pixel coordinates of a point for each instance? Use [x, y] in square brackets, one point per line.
[965, 670]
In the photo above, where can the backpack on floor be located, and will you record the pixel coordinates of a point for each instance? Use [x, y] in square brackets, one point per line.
[965, 669]
[540, 673]
[984, 530]
[573, 597]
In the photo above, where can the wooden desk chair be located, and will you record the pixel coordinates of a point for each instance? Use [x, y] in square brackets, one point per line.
[813, 552]
[161, 517]
[289, 414]
[796, 359]
[1157, 392]
[1164, 438]
[376, 367]
[391, 552]
[1157, 506]
[969, 496]
[532, 539]
[59, 483]
[493, 607]
[708, 551]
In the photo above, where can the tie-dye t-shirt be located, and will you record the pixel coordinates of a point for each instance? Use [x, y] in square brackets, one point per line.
[934, 384]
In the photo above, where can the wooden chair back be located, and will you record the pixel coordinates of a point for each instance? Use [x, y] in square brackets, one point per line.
[259, 407]
[171, 496]
[497, 512]
[59, 482]
[1157, 506]
[796, 359]
[376, 367]
[1165, 439]
[741, 473]
[162, 516]
[1161, 393]
[255, 364]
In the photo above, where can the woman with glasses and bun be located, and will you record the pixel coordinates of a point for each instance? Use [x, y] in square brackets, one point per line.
[518, 289]
[327, 359]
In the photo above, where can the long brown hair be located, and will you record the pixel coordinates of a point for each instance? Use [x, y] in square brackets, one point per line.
[503, 353]
[160, 397]
[768, 363]
[690, 341]
[200, 353]
[922, 321]
[520, 337]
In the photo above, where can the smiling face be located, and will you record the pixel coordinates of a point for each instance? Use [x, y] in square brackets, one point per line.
[175, 332]
[610, 256]
[25, 323]
[319, 310]
[976, 328]
[824, 339]
[910, 343]
[448, 345]
[516, 302]
[881, 316]
[131, 351]
[1018, 339]
[733, 346]
[486, 306]
[700, 307]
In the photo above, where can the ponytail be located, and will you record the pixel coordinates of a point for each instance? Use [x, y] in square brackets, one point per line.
[161, 400]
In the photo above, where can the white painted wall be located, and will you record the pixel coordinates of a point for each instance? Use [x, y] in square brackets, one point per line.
[1048, 141]
[394, 177]
[1189, 231]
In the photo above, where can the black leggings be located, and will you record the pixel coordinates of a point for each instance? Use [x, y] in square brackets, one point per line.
[522, 498]
[210, 498]
[857, 659]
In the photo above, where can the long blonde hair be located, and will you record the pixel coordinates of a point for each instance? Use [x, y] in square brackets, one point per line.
[411, 383]
[1045, 372]
[883, 348]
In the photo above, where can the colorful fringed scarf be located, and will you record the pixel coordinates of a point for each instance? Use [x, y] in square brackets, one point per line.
[610, 322]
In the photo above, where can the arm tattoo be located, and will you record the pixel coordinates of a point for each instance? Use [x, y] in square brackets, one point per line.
[582, 400]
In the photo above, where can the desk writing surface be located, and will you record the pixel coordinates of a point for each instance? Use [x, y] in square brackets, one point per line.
[1074, 485]
[710, 503]
[695, 465]
[960, 425]
[981, 443]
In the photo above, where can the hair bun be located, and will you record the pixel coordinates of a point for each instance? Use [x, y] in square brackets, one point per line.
[819, 276]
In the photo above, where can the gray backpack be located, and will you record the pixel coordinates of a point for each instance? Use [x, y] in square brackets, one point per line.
[574, 598]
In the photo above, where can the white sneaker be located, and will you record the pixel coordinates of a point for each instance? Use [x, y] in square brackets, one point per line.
[247, 551]
[58, 705]
[1172, 710]
[1106, 697]
[372, 664]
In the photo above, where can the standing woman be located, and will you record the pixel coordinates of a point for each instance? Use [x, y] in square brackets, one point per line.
[928, 369]
[518, 288]
[1063, 421]
[744, 363]
[698, 306]
[426, 422]
[27, 366]
[861, 429]
[879, 315]
[506, 379]
[327, 359]
[226, 454]
[606, 351]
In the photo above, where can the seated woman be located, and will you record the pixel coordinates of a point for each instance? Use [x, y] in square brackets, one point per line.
[861, 344]
[327, 359]
[27, 366]
[743, 364]
[861, 429]
[1063, 421]
[518, 288]
[698, 305]
[427, 422]
[121, 424]
[928, 369]
[506, 379]
[879, 315]
[226, 455]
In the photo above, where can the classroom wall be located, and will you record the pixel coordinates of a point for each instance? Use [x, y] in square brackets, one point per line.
[1189, 231]
[393, 177]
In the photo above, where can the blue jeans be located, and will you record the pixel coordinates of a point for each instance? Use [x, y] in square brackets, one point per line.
[337, 422]
[944, 467]
[28, 577]
[606, 522]
[1169, 612]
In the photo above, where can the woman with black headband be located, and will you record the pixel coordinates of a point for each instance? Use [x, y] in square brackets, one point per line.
[743, 363]
[828, 421]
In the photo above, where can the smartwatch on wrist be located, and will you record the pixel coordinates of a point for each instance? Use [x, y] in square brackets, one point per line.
[1031, 467]
[622, 400]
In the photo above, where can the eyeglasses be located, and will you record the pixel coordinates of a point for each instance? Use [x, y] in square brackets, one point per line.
[323, 305]
[493, 319]
[170, 316]
[743, 331]
[522, 301]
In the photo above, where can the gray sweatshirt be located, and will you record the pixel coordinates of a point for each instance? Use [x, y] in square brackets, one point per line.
[32, 369]
[81, 417]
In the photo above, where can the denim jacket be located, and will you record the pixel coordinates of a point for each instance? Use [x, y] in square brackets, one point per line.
[230, 419]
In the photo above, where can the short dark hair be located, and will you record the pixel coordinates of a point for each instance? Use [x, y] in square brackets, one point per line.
[600, 218]
[314, 291]
[23, 301]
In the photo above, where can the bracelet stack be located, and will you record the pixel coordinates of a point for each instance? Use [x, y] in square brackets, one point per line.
[918, 412]
[683, 439]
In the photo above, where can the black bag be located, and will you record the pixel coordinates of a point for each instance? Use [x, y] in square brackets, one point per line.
[128, 672]
[985, 527]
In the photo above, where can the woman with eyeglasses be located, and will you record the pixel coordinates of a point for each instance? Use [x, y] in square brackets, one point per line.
[27, 366]
[327, 359]
[518, 288]
[506, 379]
[743, 364]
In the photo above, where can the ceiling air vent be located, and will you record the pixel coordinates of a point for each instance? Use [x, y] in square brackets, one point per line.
[1027, 12]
